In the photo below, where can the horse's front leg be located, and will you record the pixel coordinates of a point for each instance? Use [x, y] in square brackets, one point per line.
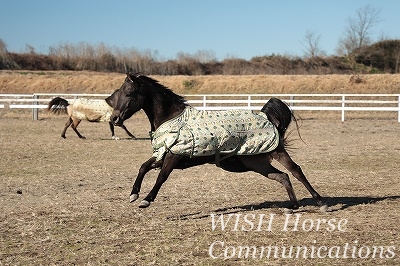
[112, 131]
[170, 161]
[146, 166]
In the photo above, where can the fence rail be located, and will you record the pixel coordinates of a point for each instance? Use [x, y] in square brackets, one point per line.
[306, 102]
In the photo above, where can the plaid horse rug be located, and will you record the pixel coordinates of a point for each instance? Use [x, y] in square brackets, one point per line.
[202, 133]
[91, 110]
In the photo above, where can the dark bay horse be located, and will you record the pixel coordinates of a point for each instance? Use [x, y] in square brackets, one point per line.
[161, 105]
[85, 109]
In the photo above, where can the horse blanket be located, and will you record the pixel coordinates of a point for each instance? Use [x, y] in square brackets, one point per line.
[91, 110]
[202, 133]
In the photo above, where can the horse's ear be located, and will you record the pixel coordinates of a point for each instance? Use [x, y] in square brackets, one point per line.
[129, 72]
[129, 77]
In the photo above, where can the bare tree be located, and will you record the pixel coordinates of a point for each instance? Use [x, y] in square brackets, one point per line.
[358, 32]
[3, 48]
[311, 44]
[30, 49]
[6, 61]
[205, 56]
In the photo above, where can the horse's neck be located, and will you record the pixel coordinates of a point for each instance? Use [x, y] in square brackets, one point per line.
[157, 116]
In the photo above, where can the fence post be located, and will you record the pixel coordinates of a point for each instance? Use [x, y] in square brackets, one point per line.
[35, 111]
[343, 104]
[398, 119]
[291, 104]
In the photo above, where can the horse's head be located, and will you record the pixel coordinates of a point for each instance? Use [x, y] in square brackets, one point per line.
[141, 92]
[127, 100]
[112, 99]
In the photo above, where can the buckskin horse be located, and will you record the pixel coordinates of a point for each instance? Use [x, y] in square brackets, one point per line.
[182, 137]
[93, 110]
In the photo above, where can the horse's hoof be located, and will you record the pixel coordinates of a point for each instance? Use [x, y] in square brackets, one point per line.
[323, 208]
[114, 138]
[133, 197]
[144, 204]
[287, 211]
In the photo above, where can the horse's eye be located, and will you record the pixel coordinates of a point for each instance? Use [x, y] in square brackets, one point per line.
[131, 94]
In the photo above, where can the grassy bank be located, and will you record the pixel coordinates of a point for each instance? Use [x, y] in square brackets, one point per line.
[96, 82]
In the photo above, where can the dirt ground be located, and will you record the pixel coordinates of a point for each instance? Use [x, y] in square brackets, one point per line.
[66, 201]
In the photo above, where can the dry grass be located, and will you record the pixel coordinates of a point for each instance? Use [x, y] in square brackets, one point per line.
[65, 202]
[94, 82]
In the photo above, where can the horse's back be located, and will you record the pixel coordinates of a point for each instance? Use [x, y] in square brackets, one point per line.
[94, 110]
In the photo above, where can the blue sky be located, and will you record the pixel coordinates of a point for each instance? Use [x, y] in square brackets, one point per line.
[228, 28]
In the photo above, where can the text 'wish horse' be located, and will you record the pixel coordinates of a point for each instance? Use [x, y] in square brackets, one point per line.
[97, 110]
[183, 136]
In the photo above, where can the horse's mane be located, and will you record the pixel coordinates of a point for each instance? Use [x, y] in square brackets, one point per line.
[143, 82]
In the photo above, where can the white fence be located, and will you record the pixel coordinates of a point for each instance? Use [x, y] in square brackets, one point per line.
[309, 102]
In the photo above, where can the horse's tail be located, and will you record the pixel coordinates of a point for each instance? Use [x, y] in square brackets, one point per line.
[280, 115]
[58, 105]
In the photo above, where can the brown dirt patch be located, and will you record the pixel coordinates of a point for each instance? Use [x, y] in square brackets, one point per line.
[65, 202]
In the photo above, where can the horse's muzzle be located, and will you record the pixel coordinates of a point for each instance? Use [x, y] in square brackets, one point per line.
[116, 120]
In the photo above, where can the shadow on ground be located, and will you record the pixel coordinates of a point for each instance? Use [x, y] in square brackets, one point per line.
[334, 204]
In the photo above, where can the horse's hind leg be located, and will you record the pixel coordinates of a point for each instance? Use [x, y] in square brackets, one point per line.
[281, 155]
[74, 126]
[124, 128]
[262, 165]
[69, 122]
[127, 132]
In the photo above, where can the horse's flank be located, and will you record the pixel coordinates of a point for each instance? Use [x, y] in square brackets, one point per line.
[91, 110]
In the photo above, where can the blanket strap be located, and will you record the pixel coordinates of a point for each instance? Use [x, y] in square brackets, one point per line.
[218, 157]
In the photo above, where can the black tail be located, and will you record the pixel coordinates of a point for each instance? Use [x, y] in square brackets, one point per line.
[58, 105]
[279, 114]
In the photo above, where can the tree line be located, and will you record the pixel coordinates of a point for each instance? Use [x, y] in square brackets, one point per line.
[380, 57]
[356, 53]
